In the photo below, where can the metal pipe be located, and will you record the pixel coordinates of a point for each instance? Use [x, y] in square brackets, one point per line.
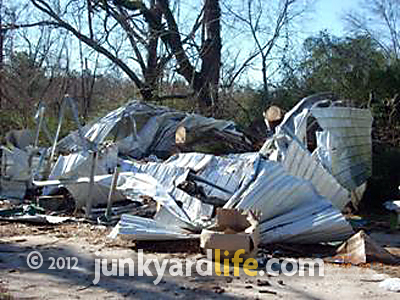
[39, 119]
[53, 148]
[112, 190]
[89, 202]
[194, 177]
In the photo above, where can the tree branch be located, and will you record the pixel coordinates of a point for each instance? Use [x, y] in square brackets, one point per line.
[19, 26]
[43, 6]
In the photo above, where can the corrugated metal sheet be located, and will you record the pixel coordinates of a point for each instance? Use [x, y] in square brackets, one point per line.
[78, 165]
[299, 162]
[349, 143]
[166, 174]
[343, 147]
[290, 207]
[169, 176]
[292, 124]
[228, 172]
[312, 223]
[15, 164]
[139, 228]
[14, 173]
[101, 188]
[141, 129]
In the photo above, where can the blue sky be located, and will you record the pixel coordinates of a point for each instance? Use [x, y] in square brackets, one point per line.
[328, 15]
[324, 15]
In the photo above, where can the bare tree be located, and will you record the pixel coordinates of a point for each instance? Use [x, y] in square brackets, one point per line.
[265, 25]
[142, 38]
[380, 19]
[148, 39]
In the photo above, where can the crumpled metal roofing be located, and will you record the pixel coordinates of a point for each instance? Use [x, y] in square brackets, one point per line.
[228, 172]
[14, 172]
[284, 201]
[312, 223]
[299, 162]
[140, 129]
[143, 229]
[349, 143]
[169, 176]
[288, 202]
[298, 194]
[343, 147]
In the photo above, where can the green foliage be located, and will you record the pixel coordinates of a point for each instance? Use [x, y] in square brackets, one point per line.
[355, 69]
[350, 67]
[10, 120]
[345, 66]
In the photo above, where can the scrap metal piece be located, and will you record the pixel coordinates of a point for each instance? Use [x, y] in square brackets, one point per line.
[300, 163]
[38, 219]
[341, 136]
[140, 129]
[110, 195]
[290, 207]
[349, 143]
[143, 229]
[41, 123]
[14, 173]
[89, 199]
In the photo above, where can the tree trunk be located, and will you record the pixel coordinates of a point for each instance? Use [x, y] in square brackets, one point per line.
[204, 83]
[152, 73]
[1, 52]
[211, 56]
[1, 35]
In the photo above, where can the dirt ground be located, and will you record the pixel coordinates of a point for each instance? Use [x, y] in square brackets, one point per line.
[87, 242]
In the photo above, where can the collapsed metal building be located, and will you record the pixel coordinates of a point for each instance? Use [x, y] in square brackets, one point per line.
[317, 161]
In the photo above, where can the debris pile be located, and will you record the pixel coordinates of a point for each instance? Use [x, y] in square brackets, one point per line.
[361, 249]
[174, 172]
[232, 230]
